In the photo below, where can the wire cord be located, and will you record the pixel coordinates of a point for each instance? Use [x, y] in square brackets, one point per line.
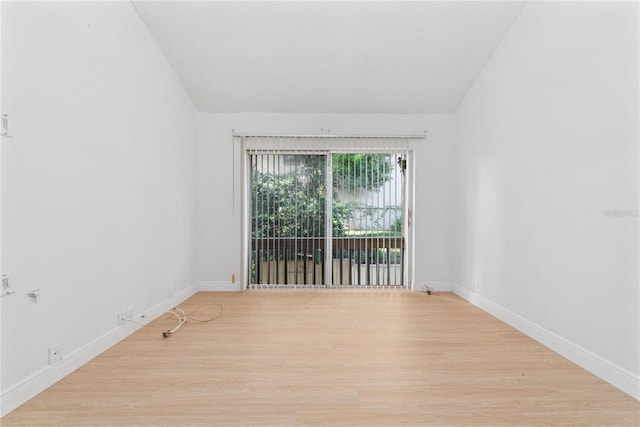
[206, 320]
[133, 321]
[183, 317]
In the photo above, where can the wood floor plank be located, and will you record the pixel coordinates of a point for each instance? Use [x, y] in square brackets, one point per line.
[343, 358]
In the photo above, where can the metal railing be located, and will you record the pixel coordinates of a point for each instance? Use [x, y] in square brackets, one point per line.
[300, 262]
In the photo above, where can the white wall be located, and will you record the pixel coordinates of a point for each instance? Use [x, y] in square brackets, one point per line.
[98, 184]
[547, 181]
[1, 269]
[215, 255]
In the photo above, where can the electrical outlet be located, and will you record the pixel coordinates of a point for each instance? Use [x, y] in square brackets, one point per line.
[6, 126]
[54, 354]
[122, 317]
[6, 285]
[6, 282]
[129, 313]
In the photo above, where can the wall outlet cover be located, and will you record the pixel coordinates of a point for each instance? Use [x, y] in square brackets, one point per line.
[6, 282]
[55, 354]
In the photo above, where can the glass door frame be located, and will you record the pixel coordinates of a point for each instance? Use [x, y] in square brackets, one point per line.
[242, 204]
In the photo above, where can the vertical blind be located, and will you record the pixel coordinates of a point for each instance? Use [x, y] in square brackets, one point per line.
[327, 210]
[265, 144]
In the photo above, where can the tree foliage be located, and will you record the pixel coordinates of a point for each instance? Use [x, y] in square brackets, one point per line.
[366, 171]
[293, 204]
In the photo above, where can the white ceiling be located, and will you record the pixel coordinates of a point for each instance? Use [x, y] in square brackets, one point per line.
[328, 56]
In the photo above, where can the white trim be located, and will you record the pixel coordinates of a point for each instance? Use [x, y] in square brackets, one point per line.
[323, 144]
[409, 220]
[441, 286]
[36, 383]
[219, 286]
[239, 244]
[245, 144]
[615, 375]
[328, 135]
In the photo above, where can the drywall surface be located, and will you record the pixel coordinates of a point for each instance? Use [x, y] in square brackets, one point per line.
[215, 192]
[546, 155]
[97, 183]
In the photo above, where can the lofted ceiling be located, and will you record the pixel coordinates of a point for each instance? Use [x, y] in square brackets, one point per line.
[328, 56]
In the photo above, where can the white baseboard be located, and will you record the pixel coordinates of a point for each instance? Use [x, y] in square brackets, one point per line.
[610, 372]
[222, 286]
[31, 386]
[436, 286]
[214, 286]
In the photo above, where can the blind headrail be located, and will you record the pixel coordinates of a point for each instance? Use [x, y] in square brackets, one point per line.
[329, 136]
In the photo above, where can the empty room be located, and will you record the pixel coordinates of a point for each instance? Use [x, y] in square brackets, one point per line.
[287, 213]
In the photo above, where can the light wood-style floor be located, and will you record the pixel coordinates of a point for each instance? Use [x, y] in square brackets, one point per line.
[326, 358]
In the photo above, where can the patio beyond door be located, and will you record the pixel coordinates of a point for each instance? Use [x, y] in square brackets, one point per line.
[327, 219]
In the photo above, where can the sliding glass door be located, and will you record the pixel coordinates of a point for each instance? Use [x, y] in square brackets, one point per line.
[288, 219]
[368, 215]
[327, 218]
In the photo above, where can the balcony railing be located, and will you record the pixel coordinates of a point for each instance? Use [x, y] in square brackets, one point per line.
[356, 261]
